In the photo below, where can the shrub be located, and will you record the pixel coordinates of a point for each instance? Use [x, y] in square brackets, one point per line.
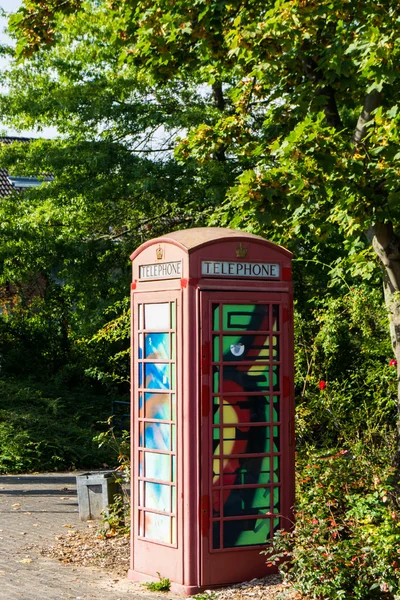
[346, 541]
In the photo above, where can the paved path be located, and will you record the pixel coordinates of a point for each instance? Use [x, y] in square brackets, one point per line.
[33, 511]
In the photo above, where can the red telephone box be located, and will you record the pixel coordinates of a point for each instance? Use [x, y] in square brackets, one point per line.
[212, 406]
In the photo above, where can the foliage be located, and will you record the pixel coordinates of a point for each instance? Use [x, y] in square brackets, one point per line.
[280, 118]
[116, 519]
[343, 341]
[163, 585]
[346, 535]
[346, 540]
[48, 429]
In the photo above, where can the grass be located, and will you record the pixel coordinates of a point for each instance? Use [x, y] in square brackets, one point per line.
[164, 585]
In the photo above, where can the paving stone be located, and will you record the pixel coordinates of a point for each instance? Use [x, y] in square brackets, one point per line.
[34, 509]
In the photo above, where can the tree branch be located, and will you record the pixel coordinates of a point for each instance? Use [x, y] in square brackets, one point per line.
[371, 102]
[386, 244]
[326, 91]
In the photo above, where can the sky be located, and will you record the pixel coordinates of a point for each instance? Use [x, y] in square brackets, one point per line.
[10, 6]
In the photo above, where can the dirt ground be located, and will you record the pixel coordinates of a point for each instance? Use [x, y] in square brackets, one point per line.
[47, 553]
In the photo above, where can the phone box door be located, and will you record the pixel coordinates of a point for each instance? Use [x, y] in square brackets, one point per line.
[247, 447]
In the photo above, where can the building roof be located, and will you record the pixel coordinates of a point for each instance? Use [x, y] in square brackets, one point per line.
[6, 186]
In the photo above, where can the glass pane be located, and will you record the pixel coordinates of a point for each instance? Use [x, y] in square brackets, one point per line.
[141, 523]
[157, 466]
[173, 438]
[246, 347]
[173, 499]
[276, 469]
[216, 441]
[140, 374]
[141, 405]
[245, 317]
[157, 527]
[173, 316]
[247, 501]
[216, 534]
[173, 407]
[157, 436]
[157, 496]
[216, 467]
[157, 316]
[157, 406]
[277, 493]
[275, 317]
[275, 378]
[216, 379]
[247, 471]
[216, 504]
[276, 440]
[275, 347]
[141, 493]
[252, 378]
[157, 345]
[173, 346]
[215, 357]
[215, 317]
[276, 409]
[173, 475]
[157, 376]
[140, 346]
[246, 440]
[141, 464]
[248, 532]
[277, 524]
[216, 411]
[140, 310]
[246, 409]
[173, 376]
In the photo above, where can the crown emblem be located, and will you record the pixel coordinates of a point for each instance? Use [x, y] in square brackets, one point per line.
[159, 253]
[241, 251]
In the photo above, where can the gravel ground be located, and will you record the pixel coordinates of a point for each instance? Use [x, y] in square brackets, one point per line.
[112, 554]
[47, 553]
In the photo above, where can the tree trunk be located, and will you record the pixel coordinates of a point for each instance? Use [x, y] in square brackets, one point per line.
[386, 244]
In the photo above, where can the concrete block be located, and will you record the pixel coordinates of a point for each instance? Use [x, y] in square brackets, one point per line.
[95, 492]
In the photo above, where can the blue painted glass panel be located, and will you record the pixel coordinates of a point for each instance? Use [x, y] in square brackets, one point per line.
[141, 404]
[156, 376]
[157, 496]
[141, 470]
[158, 466]
[140, 346]
[157, 406]
[157, 436]
[140, 374]
[157, 345]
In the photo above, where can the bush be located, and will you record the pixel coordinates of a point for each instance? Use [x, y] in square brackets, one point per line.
[346, 542]
[39, 431]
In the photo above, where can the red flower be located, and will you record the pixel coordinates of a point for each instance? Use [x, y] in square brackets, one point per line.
[322, 384]
[393, 363]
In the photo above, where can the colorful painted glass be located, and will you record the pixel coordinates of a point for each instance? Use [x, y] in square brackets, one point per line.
[157, 422]
[157, 346]
[156, 376]
[157, 406]
[246, 448]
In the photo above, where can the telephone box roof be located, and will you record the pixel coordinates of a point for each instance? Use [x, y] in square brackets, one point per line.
[192, 239]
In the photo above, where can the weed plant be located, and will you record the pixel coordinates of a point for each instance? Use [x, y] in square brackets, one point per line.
[163, 585]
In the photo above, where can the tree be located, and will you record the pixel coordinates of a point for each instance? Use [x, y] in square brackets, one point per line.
[297, 100]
